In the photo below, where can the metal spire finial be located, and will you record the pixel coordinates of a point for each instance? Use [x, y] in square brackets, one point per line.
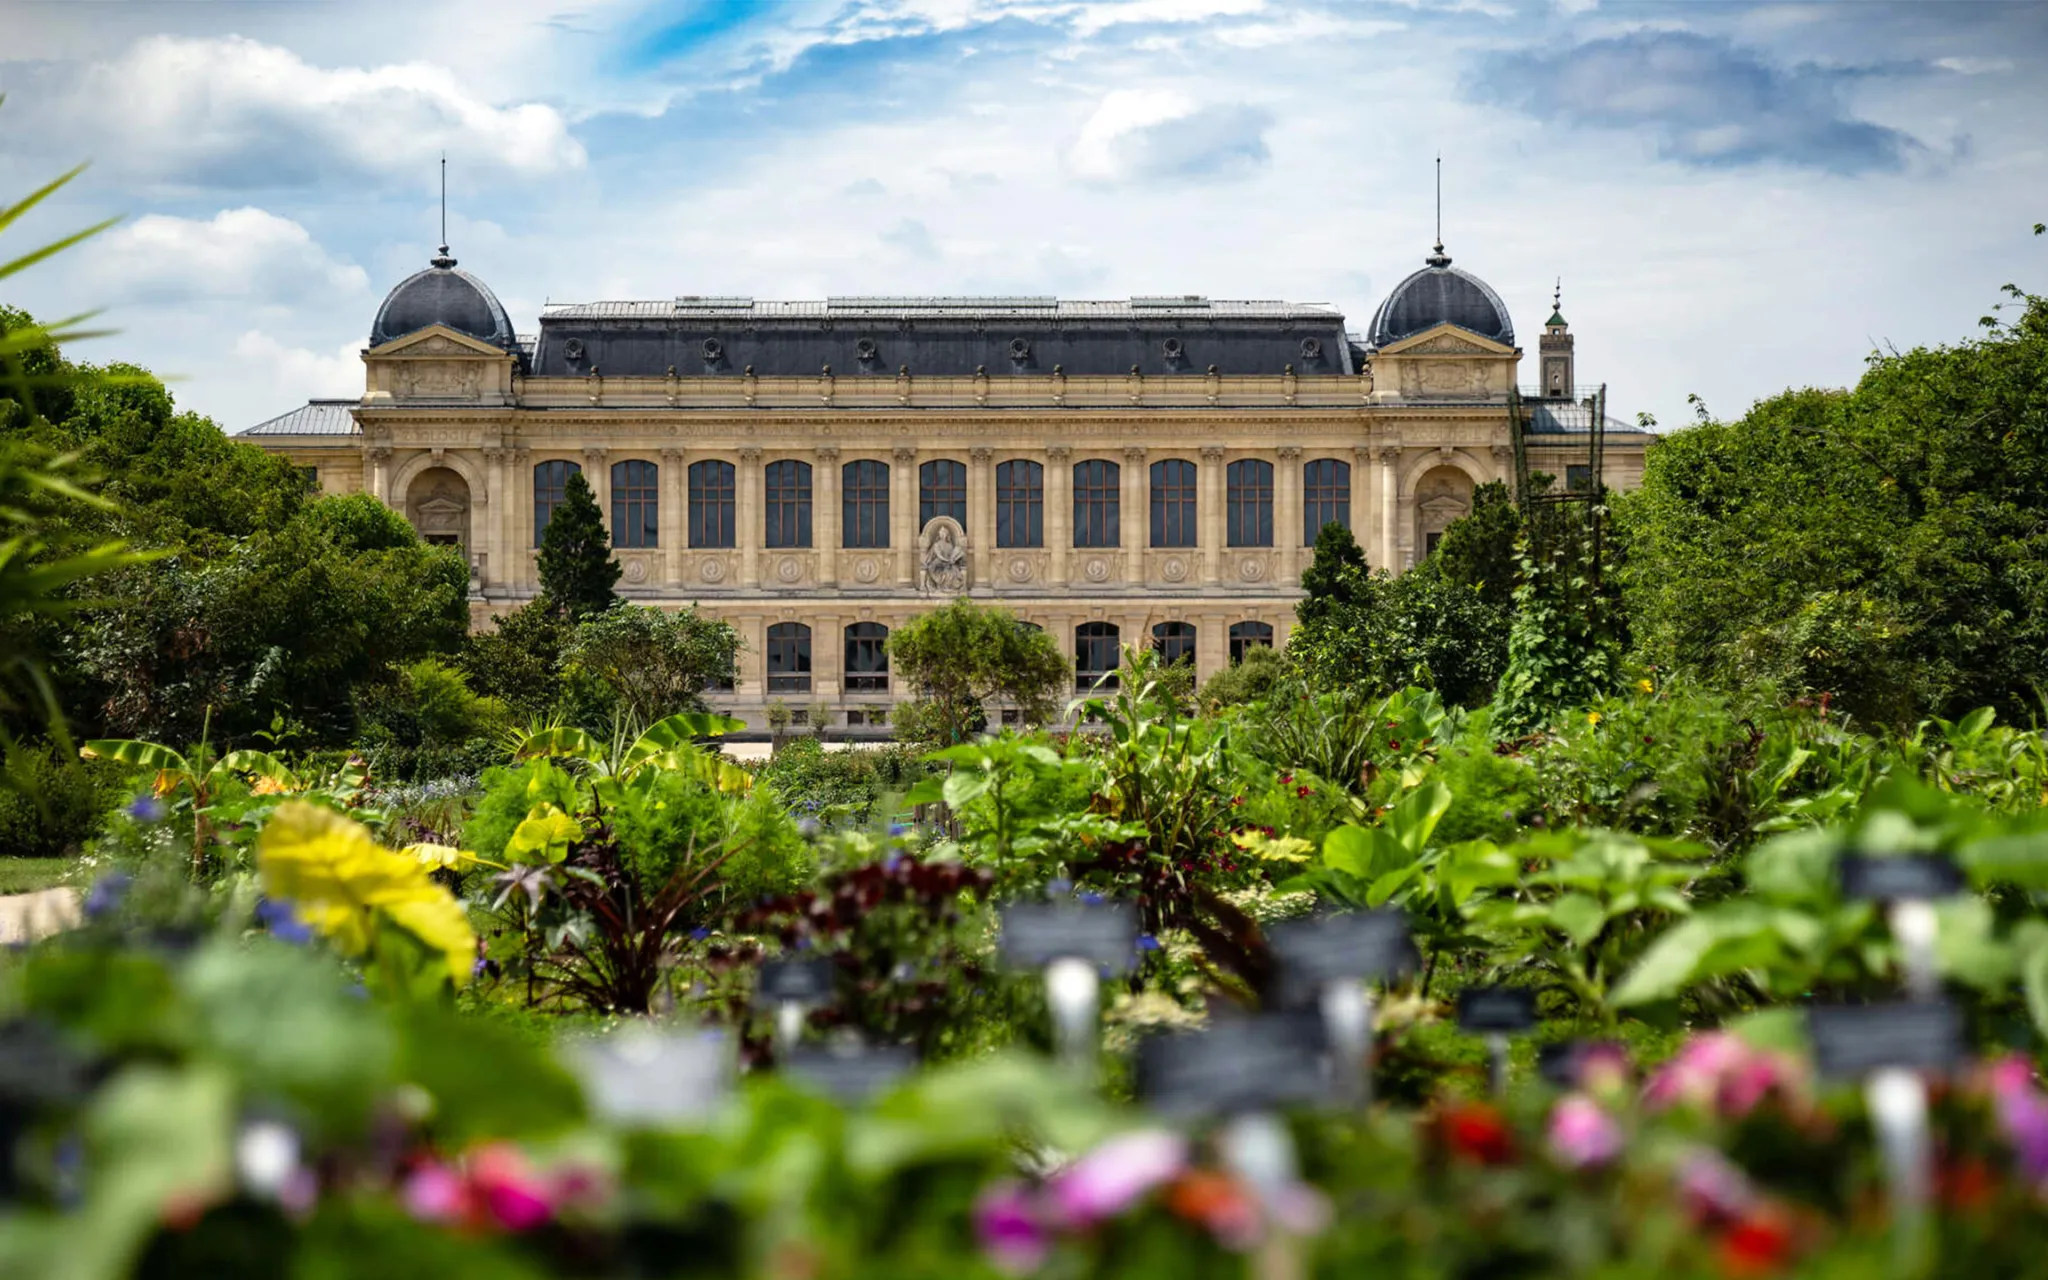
[441, 259]
[1439, 258]
[1557, 296]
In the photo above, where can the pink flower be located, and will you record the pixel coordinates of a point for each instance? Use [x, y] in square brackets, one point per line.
[2022, 1113]
[1723, 1073]
[507, 1188]
[1116, 1175]
[1582, 1136]
[1008, 1226]
[435, 1194]
[1713, 1189]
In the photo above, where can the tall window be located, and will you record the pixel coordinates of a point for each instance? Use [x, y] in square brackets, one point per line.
[1325, 497]
[1174, 642]
[1248, 635]
[864, 503]
[789, 658]
[1578, 477]
[867, 658]
[788, 503]
[636, 504]
[1097, 497]
[942, 491]
[1173, 503]
[711, 503]
[1020, 504]
[1095, 654]
[550, 485]
[1248, 509]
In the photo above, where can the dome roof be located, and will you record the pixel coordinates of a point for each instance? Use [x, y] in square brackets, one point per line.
[442, 295]
[1441, 294]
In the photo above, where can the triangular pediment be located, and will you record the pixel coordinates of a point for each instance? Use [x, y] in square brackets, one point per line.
[1446, 340]
[436, 340]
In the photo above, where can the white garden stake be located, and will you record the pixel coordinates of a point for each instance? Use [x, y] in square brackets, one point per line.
[1347, 1009]
[1897, 1099]
[1257, 1148]
[1073, 992]
[1914, 927]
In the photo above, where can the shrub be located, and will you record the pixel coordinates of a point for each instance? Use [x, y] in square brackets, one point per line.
[60, 805]
[634, 665]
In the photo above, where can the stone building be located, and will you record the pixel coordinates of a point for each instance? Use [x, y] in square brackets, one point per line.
[1147, 471]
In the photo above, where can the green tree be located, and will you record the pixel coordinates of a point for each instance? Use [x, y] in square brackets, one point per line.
[577, 571]
[1478, 550]
[959, 657]
[635, 665]
[519, 660]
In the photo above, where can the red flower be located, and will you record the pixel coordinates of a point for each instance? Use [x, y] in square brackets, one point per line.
[1760, 1244]
[1303, 792]
[1476, 1132]
[1286, 778]
[1236, 801]
[1966, 1184]
[1394, 744]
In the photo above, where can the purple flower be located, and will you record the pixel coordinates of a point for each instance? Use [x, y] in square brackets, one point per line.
[1056, 888]
[107, 893]
[1146, 942]
[1008, 1226]
[1582, 1136]
[1116, 1175]
[282, 922]
[146, 808]
[699, 933]
[899, 828]
[2022, 1114]
[1713, 1188]
[1092, 899]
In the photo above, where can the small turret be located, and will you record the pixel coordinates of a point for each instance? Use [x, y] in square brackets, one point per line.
[1555, 350]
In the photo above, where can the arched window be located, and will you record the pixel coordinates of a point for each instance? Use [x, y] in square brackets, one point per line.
[864, 503]
[1325, 497]
[788, 503]
[1097, 497]
[789, 658]
[711, 503]
[636, 504]
[1248, 508]
[1173, 503]
[1248, 635]
[867, 658]
[1174, 642]
[1020, 504]
[941, 491]
[1095, 655]
[550, 486]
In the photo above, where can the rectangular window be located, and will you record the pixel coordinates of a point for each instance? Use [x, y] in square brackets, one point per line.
[1325, 497]
[550, 486]
[1248, 505]
[711, 503]
[1173, 503]
[1095, 655]
[1578, 477]
[864, 503]
[1248, 635]
[1020, 504]
[789, 658]
[942, 491]
[312, 478]
[867, 658]
[1097, 497]
[788, 485]
[636, 504]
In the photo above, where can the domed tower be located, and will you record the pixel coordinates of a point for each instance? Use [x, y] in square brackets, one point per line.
[1441, 294]
[443, 295]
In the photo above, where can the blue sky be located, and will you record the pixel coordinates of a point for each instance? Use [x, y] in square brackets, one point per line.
[1739, 197]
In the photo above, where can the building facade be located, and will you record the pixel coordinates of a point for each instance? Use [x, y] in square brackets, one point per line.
[1150, 471]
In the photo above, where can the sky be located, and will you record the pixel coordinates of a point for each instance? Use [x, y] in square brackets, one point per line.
[1738, 197]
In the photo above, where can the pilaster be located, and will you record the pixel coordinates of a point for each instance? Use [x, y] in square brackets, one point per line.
[825, 515]
[750, 526]
[903, 528]
[519, 569]
[380, 473]
[1361, 496]
[1212, 644]
[1059, 511]
[1135, 519]
[1209, 513]
[981, 518]
[1390, 553]
[597, 472]
[673, 516]
[1287, 515]
[494, 531]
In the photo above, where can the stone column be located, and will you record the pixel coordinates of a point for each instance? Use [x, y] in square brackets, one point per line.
[490, 535]
[751, 683]
[1209, 513]
[981, 519]
[825, 514]
[903, 528]
[598, 472]
[1389, 505]
[1288, 530]
[1059, 511]
[828, 655]
[1134, 516]
[519, 497]
[380, 474]
[1212, 644]
[673, 529]
[749, 521]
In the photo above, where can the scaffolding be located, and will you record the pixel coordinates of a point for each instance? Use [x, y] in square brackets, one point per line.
[1569, 509]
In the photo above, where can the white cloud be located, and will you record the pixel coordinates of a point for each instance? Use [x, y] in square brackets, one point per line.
[246, 254]
[1163, 133]
[1974, 66]
[295, 374]
[232, 112]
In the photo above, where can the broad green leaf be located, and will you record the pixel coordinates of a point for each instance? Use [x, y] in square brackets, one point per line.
[1579, 916]
[1414, 819]
[1973, 725]
[2030, 939]
[963, 786]
[544, 835]
[1674, 960]
[679, 730]
[1966, 945]
[559, 740]
[1349, 849]
[261, 765]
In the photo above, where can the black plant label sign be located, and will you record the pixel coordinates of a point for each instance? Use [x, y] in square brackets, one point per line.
[1850, 1041]
[853, 1077]
[796, 981]
[1037, 933]
[1363, 944]
[1900, 877]
[1262, 1063]
[1504, 1010]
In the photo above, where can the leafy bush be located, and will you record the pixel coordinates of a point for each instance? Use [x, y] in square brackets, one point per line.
[811, 781]
[632, 665]
[57, 805]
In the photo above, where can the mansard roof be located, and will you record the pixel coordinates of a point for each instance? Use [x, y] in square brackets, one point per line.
[956, 336]
[314, 418]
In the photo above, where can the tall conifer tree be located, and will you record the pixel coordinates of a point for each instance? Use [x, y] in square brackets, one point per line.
[577, 571]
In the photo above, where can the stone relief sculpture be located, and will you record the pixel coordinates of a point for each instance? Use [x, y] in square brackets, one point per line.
[944, 556]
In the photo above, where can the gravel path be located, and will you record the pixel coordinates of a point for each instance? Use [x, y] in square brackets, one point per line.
[24, 917]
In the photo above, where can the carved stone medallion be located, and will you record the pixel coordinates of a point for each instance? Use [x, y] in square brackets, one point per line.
[866, 570]
[789, 569]
[1173, 569]
[1020, 570]
[1251, 568]
[1096, 570]
[712, 569]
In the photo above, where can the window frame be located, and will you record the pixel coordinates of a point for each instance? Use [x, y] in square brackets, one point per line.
[786, 487]
[1248, 634]
[789, 644]
[1174, 641]
[1175, 504]
[1330, 496]
[546, 500]
[1020, 500]
[1248, 503]
[713, 504]
[636, 493]
[941, 491]
[1089, 638]
[1098, 503]
[867, 658]
[864, 504]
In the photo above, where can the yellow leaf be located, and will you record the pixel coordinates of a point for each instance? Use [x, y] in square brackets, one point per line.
[343, 883]
[543, 836]
[444, 857]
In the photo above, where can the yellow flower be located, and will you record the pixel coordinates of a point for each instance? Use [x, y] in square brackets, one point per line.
[1644, 686]
[268, 786]
[1592, 717]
